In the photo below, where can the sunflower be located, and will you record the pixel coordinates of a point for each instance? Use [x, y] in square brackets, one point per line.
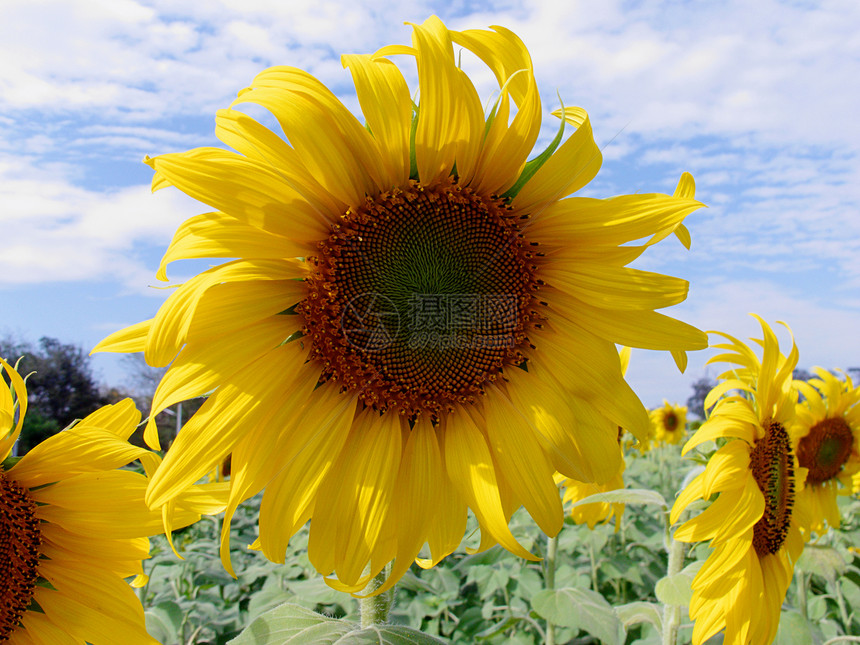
[418, 321]
[597, 512]
[72, 527]
[755, 539]
[826, 438]
[669, 423]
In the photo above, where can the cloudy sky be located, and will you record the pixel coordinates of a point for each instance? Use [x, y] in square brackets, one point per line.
[759, 101]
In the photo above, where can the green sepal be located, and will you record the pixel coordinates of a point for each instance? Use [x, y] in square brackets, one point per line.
[7, 463]
[413, 160]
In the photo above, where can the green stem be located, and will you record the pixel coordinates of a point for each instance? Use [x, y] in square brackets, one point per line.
[843, 610]
[593, 566]
[801, 594]
[549, 577]
[672, 613]
[374, 609]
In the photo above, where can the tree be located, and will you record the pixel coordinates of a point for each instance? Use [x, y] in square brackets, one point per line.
[696, 401]
[60, 386]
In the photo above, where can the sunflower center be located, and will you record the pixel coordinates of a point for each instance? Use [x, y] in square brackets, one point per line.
[671, 421]
[420, 297]
[772, 468]
[20, 539]
[825, 449]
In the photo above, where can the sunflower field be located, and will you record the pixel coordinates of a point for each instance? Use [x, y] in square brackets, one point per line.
[608, 586]
[412, 346]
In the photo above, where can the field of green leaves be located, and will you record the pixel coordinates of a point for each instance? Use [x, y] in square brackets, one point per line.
[609, 585]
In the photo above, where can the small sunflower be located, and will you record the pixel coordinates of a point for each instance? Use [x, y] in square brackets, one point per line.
[669, 423]
[755, 539]
[826, 438]
[597, 512]
[420, 320]
[73, 527]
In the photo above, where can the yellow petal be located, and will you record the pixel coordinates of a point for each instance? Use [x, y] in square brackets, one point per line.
[127, 340]
[506, 147]
[217, 235]
[639, 328]
[471, 468]
[354, 498]
[583, 221]
[310, 446]
[251, 191]
[450, 118]
[337, 151]
[386, 104]
[523, 462]
[211, 434]
[573, 165]
[203, 365]
[257, 142]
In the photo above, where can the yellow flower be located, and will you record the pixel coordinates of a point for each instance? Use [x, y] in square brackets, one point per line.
[669, 423]
[826, 438]
[597, 512]
[445, 339]
[754, 536]
[72, 527]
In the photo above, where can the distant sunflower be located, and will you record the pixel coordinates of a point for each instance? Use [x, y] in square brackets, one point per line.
[669, 423]
[445, 339]
[754, 536]
[73, 527]
[597, 512]
[826, 437]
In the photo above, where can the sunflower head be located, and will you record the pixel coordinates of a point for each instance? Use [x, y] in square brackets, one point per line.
[669, 423]
[826, 437]
[419, 319]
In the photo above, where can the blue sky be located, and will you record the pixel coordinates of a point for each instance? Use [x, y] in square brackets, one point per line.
[758, 100]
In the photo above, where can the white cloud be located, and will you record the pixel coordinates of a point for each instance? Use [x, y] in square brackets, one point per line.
[55, 231]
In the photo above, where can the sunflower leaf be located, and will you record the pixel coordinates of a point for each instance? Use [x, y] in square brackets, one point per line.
[794, 629]
[625, 496]
[675, 590]
[634, 613]
[580, 609]
[290, 624]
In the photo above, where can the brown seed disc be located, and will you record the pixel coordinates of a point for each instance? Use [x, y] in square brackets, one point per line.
[420, 297]
[20, 539]
[825, 449]
[773, 470]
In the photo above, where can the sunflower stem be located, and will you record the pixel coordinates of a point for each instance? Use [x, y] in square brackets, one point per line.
[672, 613]
[374, 609]
[549, 577]
[801, 594]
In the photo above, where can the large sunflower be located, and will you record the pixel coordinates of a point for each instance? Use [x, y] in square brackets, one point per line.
[72, 527]
[669, 423]
[826, 437]
[445, 340]
[754, 536]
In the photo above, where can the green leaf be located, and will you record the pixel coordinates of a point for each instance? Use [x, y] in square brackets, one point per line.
[635, 613]
[291, 624]
[822, 560]
[164, 621]
[580, 609]
[675, 590]
[793, 630]
[388, 635]
[625, 496]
